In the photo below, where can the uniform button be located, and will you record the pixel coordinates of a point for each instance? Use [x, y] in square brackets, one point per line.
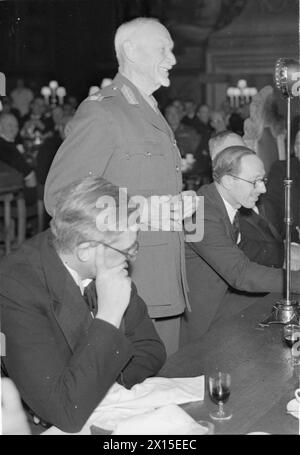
[174, 142]
[149, 153]
[177, 168]
[90, 172]
[114, 88]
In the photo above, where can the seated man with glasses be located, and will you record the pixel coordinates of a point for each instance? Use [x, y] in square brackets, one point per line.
[259, 239]
[72, 318]
[216, 262]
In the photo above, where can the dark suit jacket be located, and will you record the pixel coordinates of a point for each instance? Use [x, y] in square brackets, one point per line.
[274, 198]
[10, 155]
[117, 135]
[61, 359]
[216, 262]
[260, 240]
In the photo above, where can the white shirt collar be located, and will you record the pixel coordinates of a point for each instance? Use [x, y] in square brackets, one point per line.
[81, 283]
[231, 211]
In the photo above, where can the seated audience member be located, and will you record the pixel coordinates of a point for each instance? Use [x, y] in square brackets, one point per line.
[37, 119]
[21, 98]
[216, 262]
[10, 154]
[186, 136]
[218, 122]
[189, 117]
[275, 197]
[14, 421]
[259, 239]
[73, 320]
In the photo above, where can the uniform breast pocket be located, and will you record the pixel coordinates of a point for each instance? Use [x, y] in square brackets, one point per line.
[145, 163]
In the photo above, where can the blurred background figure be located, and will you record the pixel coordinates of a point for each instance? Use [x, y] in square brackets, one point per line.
[12, 153]
[274, 200]
[38, 122]
[187, 140]
[218, 121]
[21, 98]
[204, 128]
[265, 128]
[179, 105]
[189, 117]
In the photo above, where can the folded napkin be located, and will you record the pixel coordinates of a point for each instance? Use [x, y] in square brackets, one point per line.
[170, 419]
[121, 403]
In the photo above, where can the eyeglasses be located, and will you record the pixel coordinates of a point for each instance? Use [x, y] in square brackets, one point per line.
[130, 253]
[255, 183]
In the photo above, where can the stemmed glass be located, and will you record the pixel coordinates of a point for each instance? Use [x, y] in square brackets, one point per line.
[291, 336]
[219, 391]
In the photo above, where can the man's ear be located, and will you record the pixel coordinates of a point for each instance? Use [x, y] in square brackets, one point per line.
[129, 50]
[83, 251]
[227, 181]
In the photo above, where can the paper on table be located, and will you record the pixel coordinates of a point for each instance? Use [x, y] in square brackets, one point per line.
[167, 420]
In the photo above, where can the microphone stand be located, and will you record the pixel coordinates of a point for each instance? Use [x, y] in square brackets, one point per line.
[286, 310]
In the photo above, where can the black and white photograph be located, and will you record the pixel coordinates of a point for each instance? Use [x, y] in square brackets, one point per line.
[150, 221]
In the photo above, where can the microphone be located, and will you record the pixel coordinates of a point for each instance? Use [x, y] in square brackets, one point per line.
[287, 77]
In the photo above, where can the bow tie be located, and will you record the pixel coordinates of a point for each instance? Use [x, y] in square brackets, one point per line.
[90, 296]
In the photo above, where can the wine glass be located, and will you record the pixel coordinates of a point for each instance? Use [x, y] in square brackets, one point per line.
[291, 336]
[219, 391]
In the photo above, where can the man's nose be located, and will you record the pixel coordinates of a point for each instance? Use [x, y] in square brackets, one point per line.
[172, 58]
[262, 188]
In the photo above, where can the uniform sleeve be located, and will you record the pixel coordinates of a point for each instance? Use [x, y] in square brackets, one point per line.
[86, 150]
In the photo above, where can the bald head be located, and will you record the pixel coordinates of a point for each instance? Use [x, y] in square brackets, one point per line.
[131, 31]
[223, 140]
[9, 126]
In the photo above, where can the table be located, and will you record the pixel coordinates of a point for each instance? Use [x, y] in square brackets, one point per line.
[263, 380]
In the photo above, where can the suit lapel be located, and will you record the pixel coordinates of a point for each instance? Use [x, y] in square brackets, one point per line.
[222, 208]
[69, 307]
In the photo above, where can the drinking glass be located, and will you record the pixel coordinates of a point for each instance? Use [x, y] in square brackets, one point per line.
[219, 391]
[291, 336]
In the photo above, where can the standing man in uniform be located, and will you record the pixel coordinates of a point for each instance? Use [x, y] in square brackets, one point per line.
[120, 134]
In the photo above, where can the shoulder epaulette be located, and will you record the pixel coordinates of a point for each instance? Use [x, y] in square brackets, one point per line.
[106, 92]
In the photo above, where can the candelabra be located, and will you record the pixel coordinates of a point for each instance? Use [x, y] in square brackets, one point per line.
[53, 93]
[241, 94]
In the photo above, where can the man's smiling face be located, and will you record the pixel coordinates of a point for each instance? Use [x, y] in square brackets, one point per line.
[154, 55]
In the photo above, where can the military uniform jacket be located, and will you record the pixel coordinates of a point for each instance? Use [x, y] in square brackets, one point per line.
[117, 135]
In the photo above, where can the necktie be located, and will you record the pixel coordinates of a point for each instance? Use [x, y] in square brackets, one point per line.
[236, 226]
[90, 296]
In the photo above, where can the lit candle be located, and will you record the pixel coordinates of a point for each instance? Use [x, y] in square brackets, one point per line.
[46, 92]
[61, 93]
